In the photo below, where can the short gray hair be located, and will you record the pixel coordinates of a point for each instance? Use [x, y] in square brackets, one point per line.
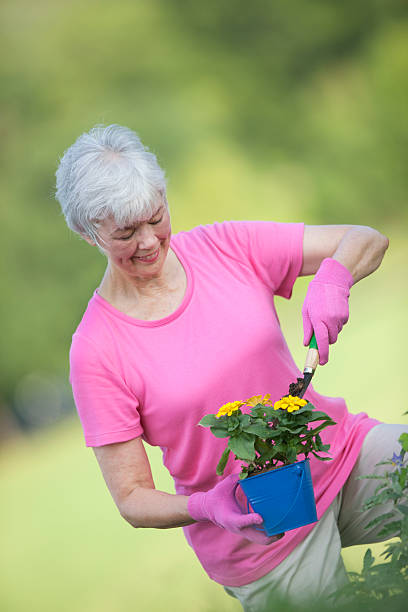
[108, 172]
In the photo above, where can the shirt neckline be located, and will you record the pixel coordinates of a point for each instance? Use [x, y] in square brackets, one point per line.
[156, 322]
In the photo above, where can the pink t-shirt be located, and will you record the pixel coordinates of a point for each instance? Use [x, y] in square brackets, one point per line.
[157, 379]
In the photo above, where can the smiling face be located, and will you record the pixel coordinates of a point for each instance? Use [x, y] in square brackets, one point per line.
[140, 249]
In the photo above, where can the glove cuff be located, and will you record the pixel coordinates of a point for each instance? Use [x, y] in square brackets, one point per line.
[332, 271]
[195, 507]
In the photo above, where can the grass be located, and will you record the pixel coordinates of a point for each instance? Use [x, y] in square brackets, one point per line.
[65, 547]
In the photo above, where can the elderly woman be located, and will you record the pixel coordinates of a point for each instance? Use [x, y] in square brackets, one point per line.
[181, 324]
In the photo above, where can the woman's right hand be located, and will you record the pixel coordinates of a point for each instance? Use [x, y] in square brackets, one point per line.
[220, 506]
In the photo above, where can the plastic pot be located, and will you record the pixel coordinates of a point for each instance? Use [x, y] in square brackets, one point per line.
[283, 496]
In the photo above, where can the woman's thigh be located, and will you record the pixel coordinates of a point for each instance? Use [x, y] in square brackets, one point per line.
[312, 571]
[379, 444]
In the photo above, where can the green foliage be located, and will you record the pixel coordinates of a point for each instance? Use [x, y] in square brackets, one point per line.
[268, 437]
[286, 111]
[385, 582]
[404, 442]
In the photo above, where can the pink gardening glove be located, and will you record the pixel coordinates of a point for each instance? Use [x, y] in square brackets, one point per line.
[219, 506]
[325, 309]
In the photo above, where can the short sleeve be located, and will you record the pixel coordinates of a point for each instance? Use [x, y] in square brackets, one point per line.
[276, 250]
[107, 408]
[273, 250]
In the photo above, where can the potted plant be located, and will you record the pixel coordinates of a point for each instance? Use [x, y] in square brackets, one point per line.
[268, 438]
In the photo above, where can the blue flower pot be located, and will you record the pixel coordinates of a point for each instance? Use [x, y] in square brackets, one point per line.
[284, 497]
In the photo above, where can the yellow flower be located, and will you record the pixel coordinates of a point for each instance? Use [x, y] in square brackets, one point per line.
[258, 399]
[229, 408]
[289, 403]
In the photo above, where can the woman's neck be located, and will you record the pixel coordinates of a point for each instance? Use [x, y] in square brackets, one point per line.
[134, 295]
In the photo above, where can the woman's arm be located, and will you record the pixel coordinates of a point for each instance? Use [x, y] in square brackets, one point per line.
[127, 473]
[126, 470]
[358, 247]
[339, 256]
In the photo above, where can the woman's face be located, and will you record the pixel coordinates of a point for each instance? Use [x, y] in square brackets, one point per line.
[140, 249]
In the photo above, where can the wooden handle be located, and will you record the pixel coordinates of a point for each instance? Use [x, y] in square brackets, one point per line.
[312, 359]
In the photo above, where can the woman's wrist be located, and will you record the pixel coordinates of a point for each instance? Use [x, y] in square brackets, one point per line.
[332, 271]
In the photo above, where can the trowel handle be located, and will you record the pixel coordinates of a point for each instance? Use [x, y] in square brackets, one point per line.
[312, 357]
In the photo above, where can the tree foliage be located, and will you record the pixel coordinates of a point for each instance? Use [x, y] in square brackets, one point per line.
[309, 94]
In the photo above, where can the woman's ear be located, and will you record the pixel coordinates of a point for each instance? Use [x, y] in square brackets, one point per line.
[88, 240]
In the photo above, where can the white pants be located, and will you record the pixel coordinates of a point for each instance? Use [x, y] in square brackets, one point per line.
[315, 568]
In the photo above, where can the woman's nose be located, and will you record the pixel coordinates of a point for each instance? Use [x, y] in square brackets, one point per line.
[146, 237]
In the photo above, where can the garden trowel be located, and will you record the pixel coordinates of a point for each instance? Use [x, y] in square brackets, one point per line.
[312, 359]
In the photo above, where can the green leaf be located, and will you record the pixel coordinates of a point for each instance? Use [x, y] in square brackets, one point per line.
[245, 420]
[220, 432]
[302, 419]
[273, 434]
[390, 529]
[322, 458]
[316, 430]
[403, 440]
[292, 429]
[320, 416]
[243, 447]
[387, 462]
[266, 451]
[258, 410]
[233, 423]
[391, 549]
[379, 499]
[223, 462]
[258, 429]
[379, 519]
[261, 446]
[324, 448]
[403, 509]
[208, 420]
[397, 488]
[368, 559]
[303, 409]
[381, 486]
[402, 477]
[291, 454]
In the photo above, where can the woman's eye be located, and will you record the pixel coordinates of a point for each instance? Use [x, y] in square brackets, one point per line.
[127, 237]
[156, 222]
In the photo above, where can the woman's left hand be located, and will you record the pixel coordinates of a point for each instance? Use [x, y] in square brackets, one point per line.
[220, 506]
[325, 309]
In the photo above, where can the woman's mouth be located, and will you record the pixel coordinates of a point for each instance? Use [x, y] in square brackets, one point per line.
[148, 258]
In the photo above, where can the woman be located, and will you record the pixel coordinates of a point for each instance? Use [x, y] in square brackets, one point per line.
[180, 325]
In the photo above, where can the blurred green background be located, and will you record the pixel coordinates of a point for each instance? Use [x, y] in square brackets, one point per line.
[284, 110]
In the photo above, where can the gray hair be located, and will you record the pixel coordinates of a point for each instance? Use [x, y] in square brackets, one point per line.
[108, 172]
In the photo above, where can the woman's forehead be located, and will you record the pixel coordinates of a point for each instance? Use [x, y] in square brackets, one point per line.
[110, 224]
